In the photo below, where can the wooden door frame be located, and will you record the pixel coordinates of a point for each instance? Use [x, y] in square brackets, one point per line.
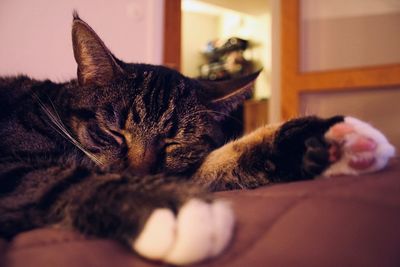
[172, 34]
[294, 82]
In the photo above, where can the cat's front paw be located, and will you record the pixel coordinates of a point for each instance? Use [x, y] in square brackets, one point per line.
[199, 231]
[356, 147]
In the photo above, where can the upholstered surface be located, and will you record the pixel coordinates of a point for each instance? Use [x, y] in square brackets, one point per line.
[340, 221]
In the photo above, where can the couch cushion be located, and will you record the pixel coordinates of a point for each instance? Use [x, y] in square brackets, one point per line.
[340, 221]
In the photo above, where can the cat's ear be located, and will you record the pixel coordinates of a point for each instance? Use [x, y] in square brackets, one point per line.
[96, 64]
[225, 96]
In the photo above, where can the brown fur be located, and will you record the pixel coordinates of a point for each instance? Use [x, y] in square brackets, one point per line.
[221, 166]
[100, 153]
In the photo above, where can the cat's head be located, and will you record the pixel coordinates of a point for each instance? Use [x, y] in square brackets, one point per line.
[150, 118]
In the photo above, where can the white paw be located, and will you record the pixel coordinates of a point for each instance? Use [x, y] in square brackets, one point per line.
[201, 230]
[361, 148]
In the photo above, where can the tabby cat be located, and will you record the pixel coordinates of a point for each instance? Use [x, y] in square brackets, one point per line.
[129, 152]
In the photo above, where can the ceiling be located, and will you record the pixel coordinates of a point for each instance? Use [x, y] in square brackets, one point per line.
[252, 7]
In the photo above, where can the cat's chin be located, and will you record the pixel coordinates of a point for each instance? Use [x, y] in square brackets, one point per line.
[199, 231]
[357, 148]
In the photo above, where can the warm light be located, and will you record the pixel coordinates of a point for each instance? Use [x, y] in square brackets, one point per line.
[255, 28]
[201, 7]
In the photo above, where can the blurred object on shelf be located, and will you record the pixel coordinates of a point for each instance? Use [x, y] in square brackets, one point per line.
[217, 48]
[225, 59]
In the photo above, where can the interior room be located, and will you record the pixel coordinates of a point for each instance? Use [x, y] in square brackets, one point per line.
[208, 133]
[211, 25]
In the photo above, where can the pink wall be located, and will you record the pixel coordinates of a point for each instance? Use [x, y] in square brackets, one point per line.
[36, 35]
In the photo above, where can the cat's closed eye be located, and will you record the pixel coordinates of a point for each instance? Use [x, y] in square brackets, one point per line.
[99, 138]
[169, 145]
[119, 137]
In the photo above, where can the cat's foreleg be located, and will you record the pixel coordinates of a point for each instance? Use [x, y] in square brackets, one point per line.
[333, 146]
[242, 163]
[298, 149]
[171, 222]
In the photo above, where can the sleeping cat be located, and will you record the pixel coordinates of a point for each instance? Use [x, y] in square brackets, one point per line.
[129, 152]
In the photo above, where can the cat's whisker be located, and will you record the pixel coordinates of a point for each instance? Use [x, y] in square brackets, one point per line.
[61, 129]
[55, 110]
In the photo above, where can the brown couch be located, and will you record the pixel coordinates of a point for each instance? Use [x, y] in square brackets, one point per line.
[341, 221]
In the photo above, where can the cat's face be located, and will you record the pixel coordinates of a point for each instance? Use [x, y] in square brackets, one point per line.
[152, 121]
[148, 118]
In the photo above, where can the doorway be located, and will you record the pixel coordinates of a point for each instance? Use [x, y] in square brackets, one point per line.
[207, 26]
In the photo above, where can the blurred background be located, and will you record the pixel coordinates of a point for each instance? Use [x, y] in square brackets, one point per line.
[320, 57]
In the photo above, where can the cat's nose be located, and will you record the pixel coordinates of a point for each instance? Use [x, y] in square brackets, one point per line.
[142, 158]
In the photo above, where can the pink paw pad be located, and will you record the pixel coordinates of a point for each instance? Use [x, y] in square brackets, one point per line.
[356, 147]
[346, 140]
[339, 131]
[363, 149]
[362, 144]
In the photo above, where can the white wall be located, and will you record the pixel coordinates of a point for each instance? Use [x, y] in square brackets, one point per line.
[197, 30]
[257, 29]
[36, 35]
